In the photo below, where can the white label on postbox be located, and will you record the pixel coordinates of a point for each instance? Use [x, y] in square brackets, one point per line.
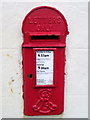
[44, 67]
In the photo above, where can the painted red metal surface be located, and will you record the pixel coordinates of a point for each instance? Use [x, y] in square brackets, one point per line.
[44, 29]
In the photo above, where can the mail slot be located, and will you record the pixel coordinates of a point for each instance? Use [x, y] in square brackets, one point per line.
[43, 53]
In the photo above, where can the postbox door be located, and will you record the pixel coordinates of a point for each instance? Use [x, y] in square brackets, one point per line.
[43, 81]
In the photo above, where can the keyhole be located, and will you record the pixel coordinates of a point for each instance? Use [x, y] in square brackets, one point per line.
[29, 75]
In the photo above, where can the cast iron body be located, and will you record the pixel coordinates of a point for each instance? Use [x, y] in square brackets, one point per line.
[44, 29]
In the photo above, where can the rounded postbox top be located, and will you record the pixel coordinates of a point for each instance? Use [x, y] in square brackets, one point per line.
[46, 20]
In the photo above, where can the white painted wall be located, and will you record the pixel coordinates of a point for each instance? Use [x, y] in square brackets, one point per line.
[76, 80]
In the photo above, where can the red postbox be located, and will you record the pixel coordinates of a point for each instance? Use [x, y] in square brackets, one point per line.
[43, 52]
